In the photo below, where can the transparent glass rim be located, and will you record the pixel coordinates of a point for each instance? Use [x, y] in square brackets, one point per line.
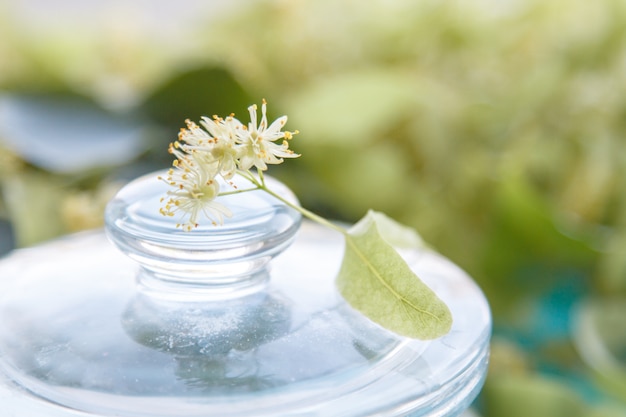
[451, 392]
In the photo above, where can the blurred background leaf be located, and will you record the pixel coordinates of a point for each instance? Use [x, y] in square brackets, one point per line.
[193, 94]
[66, 133]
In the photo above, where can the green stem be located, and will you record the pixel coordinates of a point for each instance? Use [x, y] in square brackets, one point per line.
[261, 177]
[249, 176]
[237, 191]
[306, 213]
[260, 185]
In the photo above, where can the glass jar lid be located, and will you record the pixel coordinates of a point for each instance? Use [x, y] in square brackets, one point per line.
[237, 320]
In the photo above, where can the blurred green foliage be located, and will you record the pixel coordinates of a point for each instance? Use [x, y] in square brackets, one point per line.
[497, 129]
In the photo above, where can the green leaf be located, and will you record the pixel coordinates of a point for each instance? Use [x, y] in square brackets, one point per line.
[396, 234]
[375, 280]
[196, 93]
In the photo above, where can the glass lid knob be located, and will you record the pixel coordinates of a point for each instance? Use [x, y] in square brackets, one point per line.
[211, 261]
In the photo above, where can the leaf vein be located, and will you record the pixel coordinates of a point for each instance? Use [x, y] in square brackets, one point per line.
[384, 282]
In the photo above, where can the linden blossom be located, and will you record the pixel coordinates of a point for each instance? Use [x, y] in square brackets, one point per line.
[195, 193]
[221, 147]
[373, 277]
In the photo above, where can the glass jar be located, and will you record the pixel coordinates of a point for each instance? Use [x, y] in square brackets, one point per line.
[235, 320]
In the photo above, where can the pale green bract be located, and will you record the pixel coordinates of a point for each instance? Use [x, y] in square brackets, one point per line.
[375, 280]
[397, 235]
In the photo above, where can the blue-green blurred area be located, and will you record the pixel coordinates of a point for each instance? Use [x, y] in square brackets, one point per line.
[496, 128]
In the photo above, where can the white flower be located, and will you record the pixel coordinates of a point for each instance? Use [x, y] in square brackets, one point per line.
[195, 190]
[257, 143]
[218, 147]
[217, 143]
